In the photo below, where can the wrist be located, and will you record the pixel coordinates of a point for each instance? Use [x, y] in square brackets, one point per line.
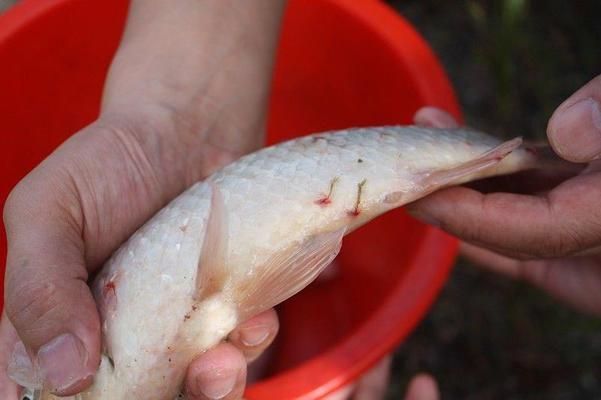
[200, 62]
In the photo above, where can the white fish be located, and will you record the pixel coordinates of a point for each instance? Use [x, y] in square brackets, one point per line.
[255, 233]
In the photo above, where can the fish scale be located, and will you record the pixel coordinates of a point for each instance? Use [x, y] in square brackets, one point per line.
[255, 233]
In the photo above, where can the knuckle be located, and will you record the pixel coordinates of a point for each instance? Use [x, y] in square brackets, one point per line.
[28, 304]
[560, 243]
[471, 233]
[13, 207]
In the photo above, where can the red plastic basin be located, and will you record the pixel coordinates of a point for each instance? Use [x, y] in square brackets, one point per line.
[340, 64]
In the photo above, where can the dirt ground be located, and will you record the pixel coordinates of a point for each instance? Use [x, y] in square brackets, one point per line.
[511, 62]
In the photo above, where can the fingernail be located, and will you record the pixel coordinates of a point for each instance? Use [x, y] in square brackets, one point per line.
[576, 132]
[254, 335]
[64, 363]
[215, 384]
[424, 217]
[21, 370]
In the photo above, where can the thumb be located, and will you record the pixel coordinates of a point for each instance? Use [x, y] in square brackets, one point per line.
[422, 387]
[574, 130]
[47, 298]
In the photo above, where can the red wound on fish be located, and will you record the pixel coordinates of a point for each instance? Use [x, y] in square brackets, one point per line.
[108, 298]
[109, 287]
[353, 213]
[356, 210]
[327, 199]
[324, 201]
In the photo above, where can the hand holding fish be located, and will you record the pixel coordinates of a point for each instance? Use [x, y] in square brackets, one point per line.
[551, 238]
[162, 127]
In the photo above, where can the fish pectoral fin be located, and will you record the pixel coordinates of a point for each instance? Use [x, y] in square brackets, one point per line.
[287, 273]
[211, 274]
[462, 172]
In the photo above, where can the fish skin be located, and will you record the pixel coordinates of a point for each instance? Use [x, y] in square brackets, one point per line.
[273, 200]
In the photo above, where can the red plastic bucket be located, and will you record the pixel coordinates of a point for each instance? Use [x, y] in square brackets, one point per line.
[340, 64]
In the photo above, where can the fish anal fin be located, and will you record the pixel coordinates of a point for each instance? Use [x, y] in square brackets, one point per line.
[211, 274]
[287, 273]
[468, 170]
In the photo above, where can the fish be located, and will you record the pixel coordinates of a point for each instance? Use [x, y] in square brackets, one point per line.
[255, 233]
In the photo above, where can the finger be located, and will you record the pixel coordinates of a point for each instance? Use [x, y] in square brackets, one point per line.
[435, 118]
[47, 298]
[252, 337]
[422, 387]
[8, 339]
[492, 261]
[565, 221]
[527, 182]
[220, 373]
[373, 385]
[575, 281]
[574, 130]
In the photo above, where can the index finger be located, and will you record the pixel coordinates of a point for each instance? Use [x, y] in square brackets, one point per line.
[563, 221]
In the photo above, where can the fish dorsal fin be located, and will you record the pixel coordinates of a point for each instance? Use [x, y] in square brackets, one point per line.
[287, 273]
[462, 172]
[211, 274]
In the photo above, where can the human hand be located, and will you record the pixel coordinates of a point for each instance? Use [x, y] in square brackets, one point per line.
[173, 111]
[551, 238]
[373, 385]
[66, 217]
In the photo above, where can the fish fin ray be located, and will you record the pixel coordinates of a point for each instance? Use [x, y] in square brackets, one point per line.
[287, 273]
[459, 173]
[211, 274]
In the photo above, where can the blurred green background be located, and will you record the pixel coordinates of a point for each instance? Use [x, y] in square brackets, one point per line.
[512, 62]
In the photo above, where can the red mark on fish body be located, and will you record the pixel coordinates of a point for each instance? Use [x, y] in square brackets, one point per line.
[324, 201]
[357, 209]
[531, 150]
[109, 287]
[108, 299]
[327, 199]
[353, 213]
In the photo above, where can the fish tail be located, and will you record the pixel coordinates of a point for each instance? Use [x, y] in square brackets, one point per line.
[485, 165]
